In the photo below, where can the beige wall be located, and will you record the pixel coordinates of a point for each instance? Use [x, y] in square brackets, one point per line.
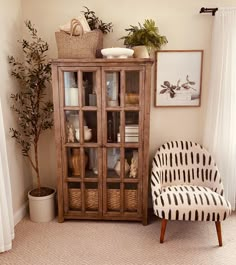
[179, 20]
[11, 31]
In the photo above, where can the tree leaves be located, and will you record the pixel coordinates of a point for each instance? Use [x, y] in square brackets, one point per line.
[34, 114]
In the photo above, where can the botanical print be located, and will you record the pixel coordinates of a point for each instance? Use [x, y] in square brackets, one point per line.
[178, 81]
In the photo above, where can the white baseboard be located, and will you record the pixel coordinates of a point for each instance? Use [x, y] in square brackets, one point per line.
[20, 214]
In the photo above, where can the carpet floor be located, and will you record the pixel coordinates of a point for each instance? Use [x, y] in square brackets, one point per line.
[121, 243]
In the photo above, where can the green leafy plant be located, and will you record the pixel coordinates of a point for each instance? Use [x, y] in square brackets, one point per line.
[146, 34]
[96, 23]
[33, 111]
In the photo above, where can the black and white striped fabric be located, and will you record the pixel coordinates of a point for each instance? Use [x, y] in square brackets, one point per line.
[186, 184]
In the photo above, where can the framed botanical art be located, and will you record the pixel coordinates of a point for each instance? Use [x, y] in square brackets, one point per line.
[178, 78]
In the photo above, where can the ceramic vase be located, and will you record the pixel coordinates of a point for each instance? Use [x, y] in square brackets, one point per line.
[75, 162]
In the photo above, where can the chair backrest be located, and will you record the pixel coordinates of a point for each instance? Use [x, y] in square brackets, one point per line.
[185, 162]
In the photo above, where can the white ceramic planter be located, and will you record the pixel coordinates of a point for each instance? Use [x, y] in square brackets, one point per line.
[42, 209]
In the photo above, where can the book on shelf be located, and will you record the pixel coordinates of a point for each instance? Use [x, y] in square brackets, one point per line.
[132, 128]
[131, 137]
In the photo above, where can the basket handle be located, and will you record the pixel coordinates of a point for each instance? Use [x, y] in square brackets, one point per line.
[73, 24]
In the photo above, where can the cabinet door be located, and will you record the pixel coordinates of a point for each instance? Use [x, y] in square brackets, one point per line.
[122, 104]
[80, 111]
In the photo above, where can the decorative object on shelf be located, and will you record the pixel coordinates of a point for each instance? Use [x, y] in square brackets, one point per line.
[76, 26]
[93, 160]
[134, 165]
[112, 83]
[69, 81]
[75, 47]
[74, 96]
[117, 52]
[80, 42]
[109, 129]
[87, 134]
[118, 164]
[93, 98]
[70, 134]
[131, 99]
[146, 35]
[75, 161]
[113, 155]
[182, 87]
[131, 133]
[34, 114]
[74, 120]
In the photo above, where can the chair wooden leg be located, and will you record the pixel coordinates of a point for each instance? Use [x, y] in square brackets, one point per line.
[218, 229]
[163, 229]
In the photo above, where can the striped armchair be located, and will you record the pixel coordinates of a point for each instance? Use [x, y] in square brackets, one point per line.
[186, 185]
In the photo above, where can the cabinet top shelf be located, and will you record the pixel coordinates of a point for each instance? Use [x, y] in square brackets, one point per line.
[101, 61]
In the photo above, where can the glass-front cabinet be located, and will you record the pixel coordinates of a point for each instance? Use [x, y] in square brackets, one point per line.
[102, 129]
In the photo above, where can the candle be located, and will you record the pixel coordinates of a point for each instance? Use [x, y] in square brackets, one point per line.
[74, 96]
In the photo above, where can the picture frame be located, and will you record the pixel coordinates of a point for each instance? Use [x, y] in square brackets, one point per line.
[178, 78]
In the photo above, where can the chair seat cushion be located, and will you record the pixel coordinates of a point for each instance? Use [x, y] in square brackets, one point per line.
[190, 203]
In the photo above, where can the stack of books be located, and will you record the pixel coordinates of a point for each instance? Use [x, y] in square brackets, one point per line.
[131, 133]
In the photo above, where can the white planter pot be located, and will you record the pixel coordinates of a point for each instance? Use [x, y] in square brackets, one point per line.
[42, 209]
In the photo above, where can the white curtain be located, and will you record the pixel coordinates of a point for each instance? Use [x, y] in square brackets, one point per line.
[220, 127]
[6, 211]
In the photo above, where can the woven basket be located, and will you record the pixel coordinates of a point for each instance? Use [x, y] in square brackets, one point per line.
[91, 199]
[88, 45]
[131, 200]
[113, 200]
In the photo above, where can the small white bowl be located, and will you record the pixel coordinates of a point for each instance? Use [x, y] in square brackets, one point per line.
[111, 53]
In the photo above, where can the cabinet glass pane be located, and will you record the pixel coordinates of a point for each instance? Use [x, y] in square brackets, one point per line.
[89, 89]
[90, 126]
[74, 196]
[113, 124]
[113, 197]
[74, 158]
[71, 89]
[131, 160]
[132, 88]
[112, 80]
[71, 126]
[91, 169]
[132, 126]
[113, 163]
[131, 197]
[91, 196]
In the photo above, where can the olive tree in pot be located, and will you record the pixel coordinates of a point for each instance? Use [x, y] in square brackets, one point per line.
[144, 38]
[34, 115]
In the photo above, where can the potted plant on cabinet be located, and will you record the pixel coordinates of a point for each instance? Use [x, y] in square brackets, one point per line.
[34, 115]
[95, 22]
[143, 38]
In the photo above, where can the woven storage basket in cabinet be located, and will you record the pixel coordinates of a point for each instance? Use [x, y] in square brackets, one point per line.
[113, 200]
[91, 199]
[87, 45]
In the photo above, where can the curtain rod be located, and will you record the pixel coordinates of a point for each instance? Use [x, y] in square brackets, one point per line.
[208, 10]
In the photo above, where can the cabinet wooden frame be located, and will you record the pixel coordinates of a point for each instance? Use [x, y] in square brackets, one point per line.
[100, 67]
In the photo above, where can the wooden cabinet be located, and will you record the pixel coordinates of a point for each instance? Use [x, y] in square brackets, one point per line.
[101, 110]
